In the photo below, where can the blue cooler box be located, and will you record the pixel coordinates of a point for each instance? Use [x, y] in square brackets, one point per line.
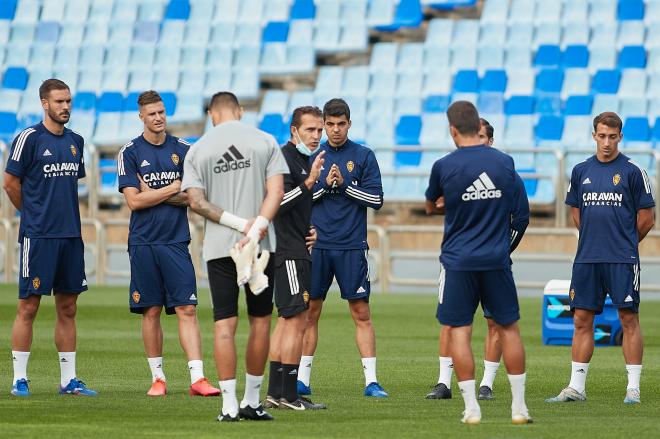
[558, 318]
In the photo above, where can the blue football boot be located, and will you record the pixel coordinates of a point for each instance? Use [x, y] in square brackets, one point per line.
[77, 387]
[375, 390]
[303, 389]
[20, 388]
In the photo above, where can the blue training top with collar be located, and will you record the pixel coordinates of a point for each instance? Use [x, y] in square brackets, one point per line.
[340, 213]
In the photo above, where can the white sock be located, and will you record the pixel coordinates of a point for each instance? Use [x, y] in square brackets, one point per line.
[634, 373]
[196, 368]
[305, 369]
[252, 388]
[490, 369]
[517, 382]
[446, 369]
[229, 401]
[156, 366]
[578, 376]
[369, 369]
[469, 395]
[67, 367]
[20, 360]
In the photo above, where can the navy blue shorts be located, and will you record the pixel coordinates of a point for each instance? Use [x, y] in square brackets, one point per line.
[51, 264]
[460, 292]
[591, 282]
[161, 275]
[350, 267]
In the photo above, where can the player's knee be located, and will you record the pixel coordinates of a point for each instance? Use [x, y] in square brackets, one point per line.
[186, 312]
[67, 310]
[27, 311]
[260, 323]
[629, 321]
[583, 321]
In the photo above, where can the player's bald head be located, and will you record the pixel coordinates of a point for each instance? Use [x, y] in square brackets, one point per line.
[464, 117]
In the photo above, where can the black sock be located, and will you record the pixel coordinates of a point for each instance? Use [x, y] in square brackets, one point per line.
[275, 380]
[289, 382]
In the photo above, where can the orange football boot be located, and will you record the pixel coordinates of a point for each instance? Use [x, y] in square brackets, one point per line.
[158, 388]
[201, 387]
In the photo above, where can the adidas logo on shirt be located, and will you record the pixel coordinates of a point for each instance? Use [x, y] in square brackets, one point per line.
[481, 189]
[144, 163]
[192, 297]
[232, 160]
[47, 153]
[586, 181]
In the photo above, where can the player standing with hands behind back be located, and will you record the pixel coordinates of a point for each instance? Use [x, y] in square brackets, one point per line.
[342, 195]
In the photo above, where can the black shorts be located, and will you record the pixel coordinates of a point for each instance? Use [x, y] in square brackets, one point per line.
[224, 290]
[293, 279]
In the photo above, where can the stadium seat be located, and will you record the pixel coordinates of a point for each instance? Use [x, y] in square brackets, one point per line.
[10, 100]
[575, 34]
[436, 104]
[380, 12]
[633, 83]
[547, 56]
[633, 106]
[15, 78]
[110, 102]
[275, 31]
[519, 105]
[466, 34]
[47, 31]
[602, 58]
[493, 81]
[356, 81]
[303, 10]
[578, 105]
[490, 57]
[520, 82]
[605, 102]
[301, 32]
[439, 33]
[177, 10]
[547, 34]
[575, 56]
[466, 81]
[548, 12]
[548, 104]
[631, 33]
[519, 131]
[604, 35]
[549, 81]
[492, 34]
[630, 10]
[409, 84]
[8, 9]
[436, 58]
[606, 82]
[408, 13]
[84, 102]
[411, 57]
[408, 130]
[490, 103]
[636, 129]
[604, 13]
[549, 128]
[575, 12]
[576, 82]
[108, 180]
[632, 57]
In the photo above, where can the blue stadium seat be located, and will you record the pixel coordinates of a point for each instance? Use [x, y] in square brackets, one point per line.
[303, 10]
[108, 181]
[547, 55]
[169, 100]
[655, 133]
[408, 130]
[606, 82]
[408, 13]
[636, 129]
[466, 81]
[549, 128]
[404, 159]
[47, 31]
[436, 104]
[490, 103]
[549, 81]
[84, 101]
[110, 102]
[276, 32]
[7, 126]
[146, 32]
[632, 57]
[177, 10]
[575, 56]
[15, 78]
[130, 102]
[494, 81]
[630, 10]
[578, 105]
[519, 105]
[448, 5]
[274, 125]
[7, 9]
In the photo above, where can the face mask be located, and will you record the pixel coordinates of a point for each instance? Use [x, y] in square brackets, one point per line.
[303, 149]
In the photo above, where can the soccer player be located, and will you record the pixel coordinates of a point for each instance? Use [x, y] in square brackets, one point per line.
[293, 263]
[493, 345]
[41, 180]
[162, 273]
[232, 175]
[479, 185]
[349, 184]
[612, 207]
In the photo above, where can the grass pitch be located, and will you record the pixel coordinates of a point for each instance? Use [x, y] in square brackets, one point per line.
[111, 360]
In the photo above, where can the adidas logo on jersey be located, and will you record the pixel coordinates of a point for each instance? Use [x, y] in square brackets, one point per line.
[144, 163]
[628, 298]
[586, 181]
[192, 297]
[481, 189]
[232, 160]
[47, 153]
[361, 290]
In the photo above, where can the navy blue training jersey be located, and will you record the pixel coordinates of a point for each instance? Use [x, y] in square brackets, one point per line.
[339, 214]
[480, 186]
[49, 167]
[158, 166]
[609, 196]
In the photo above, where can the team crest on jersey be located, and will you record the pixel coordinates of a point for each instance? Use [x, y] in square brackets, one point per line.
[73, 149]
[175, 159]
[350, 166]
[306, 296]
[616, 179]
[136, 296]
[572, 294]
[36, 282]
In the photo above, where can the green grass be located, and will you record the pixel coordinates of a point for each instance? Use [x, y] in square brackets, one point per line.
[111, 361]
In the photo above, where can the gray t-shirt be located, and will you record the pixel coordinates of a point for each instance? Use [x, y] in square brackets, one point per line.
[231, 162]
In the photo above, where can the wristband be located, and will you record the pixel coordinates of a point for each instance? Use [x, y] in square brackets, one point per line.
[233, 221]
[259, 224]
